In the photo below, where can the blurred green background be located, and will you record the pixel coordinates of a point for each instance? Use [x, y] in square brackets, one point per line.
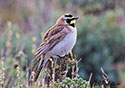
[101, 34]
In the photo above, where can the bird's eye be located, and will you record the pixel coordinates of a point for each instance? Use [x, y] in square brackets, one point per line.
[68, 20]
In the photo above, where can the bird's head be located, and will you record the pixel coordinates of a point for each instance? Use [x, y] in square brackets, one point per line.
[67, 19]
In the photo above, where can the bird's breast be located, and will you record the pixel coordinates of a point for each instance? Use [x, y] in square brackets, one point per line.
[66, 45]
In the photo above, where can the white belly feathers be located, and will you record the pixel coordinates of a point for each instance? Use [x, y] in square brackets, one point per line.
[66, 45]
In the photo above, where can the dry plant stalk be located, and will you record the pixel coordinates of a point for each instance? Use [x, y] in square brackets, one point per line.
[74, 61]
[34, 45]
[90, 77]
[77, 67]
[67, 66]
[60, 69]
[18, 76]
[17, 35]
[106, 78]
[33, 77]
[2, 74]
[73, 73]
[9, 38]
[53, 72]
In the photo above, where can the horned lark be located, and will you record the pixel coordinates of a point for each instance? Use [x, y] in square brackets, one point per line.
[59, 40]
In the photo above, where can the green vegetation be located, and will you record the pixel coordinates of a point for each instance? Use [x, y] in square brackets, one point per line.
[103, 38]
[101, 42]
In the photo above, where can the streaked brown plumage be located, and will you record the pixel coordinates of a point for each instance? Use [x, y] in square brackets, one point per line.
[55, 42]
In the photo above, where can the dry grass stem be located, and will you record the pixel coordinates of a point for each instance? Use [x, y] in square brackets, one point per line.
[106, 78]
[53, 72]
[60, 69]
[90, 77]
[34, 45]
[18, 76]
[9, 38]
[2, 74]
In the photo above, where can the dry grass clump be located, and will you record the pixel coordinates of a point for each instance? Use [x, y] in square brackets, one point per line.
[56, 74]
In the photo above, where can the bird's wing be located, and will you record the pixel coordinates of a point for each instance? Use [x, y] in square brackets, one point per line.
[52, 31]
[52, 37]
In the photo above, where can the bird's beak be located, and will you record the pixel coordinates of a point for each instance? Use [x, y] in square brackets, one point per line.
[75, 18]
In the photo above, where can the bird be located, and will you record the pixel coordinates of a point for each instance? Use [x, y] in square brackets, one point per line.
[59, 40]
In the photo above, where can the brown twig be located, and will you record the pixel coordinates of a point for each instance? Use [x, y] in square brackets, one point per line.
[60, 69]
[106, 78]
[73, 64]
[18, 76]
[67, 66]
[53, 71]
[73, 73]
[90, 77]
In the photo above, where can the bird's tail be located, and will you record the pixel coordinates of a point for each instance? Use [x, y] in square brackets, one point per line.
[35, 68]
